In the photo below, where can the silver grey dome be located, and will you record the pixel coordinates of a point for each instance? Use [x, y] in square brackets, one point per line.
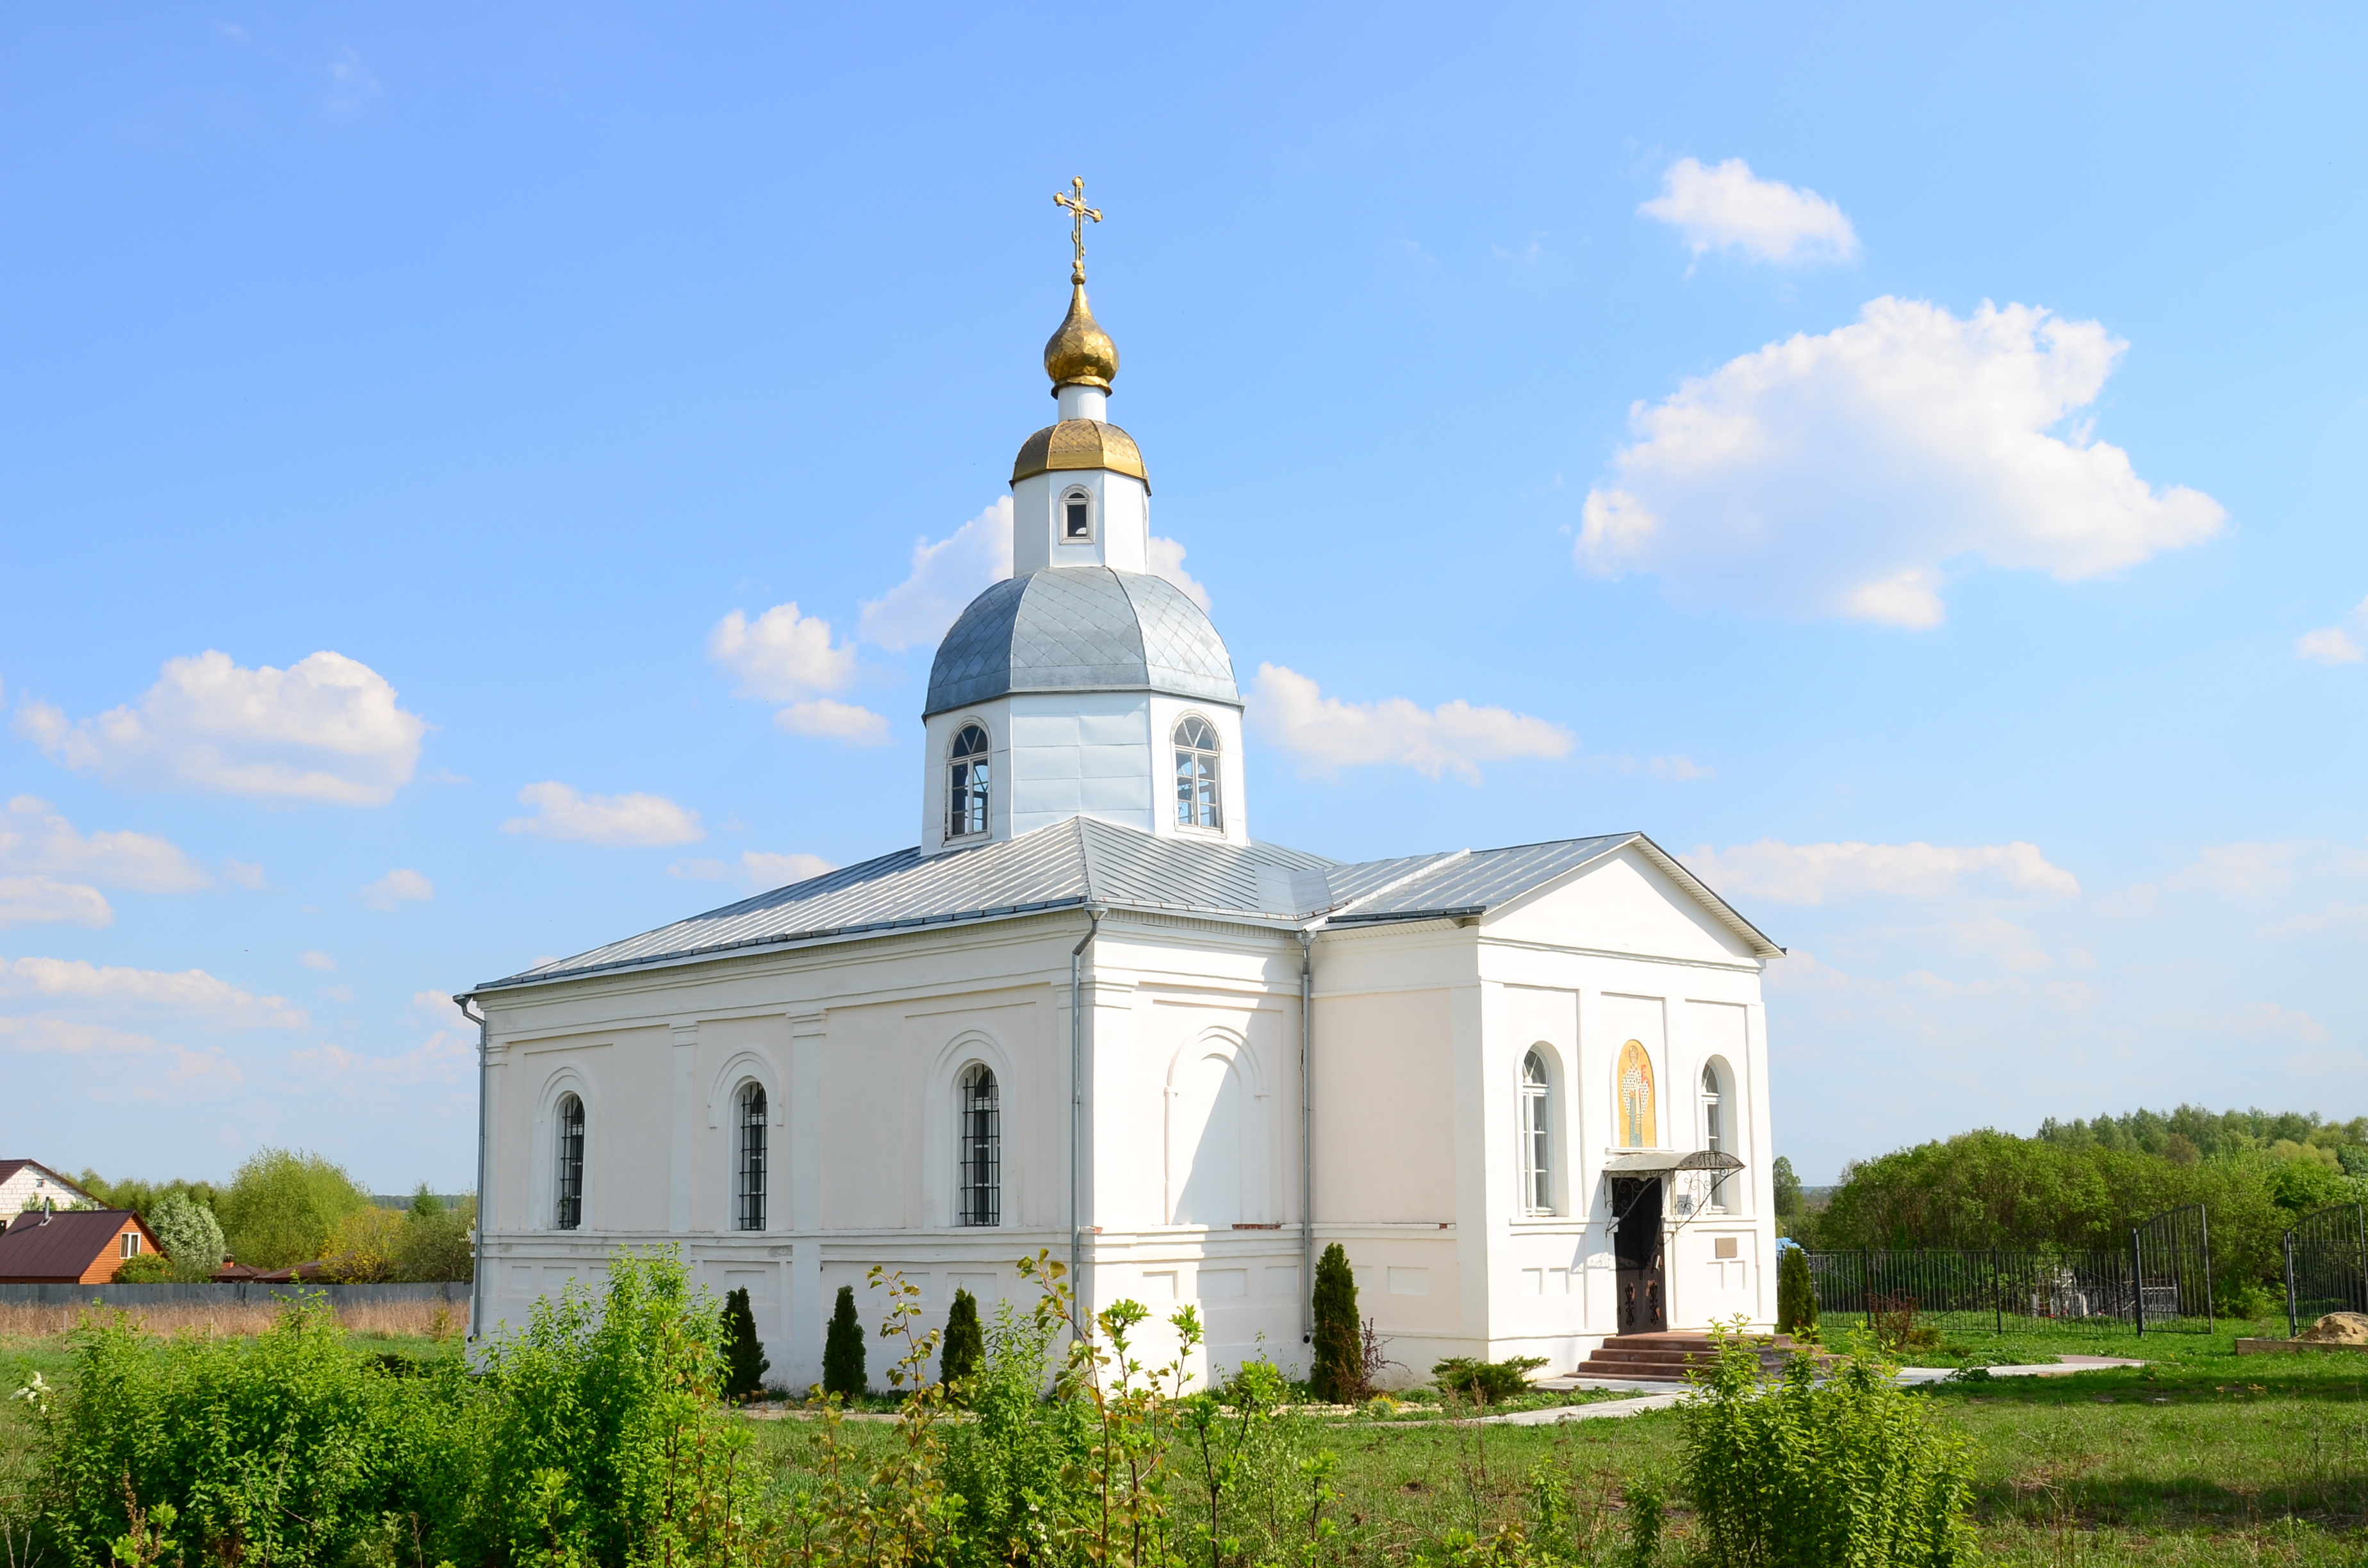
[1080, 628]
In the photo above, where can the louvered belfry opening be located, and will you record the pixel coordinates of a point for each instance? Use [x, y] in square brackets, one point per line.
[981, 1196]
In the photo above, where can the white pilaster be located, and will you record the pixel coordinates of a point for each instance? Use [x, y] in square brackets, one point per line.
[683, 1166]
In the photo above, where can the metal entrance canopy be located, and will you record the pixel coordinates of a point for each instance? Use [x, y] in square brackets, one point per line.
[1650, 1162]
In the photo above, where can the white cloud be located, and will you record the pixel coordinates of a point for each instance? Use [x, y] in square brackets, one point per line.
[1848, 474]
[756, 870]
[398, 887]
[2335, 644]
[192, 1071]
[445, 1057]
[244, 873]
[1726, 207]
[944, 578]
[434, 1007]
[1167, 560]
[2243, 868]
[1812, 873]
[782, 655]
[34, 837]
[1326, 734]
[604, 819]
[828, 720]
[192, 991]
[45, 901]
[327, 728]
[321, 961]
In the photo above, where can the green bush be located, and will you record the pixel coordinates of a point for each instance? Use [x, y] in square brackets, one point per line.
[1017, 1456]
[1486, 1382]
[965, 1343]
[1806, 1474]
[604, 1441]
[190, 1235]
[148, 1269]
[744, 1359]
[284, 1208]
[284, 1449]
[437, 1243]
[1796, 1293]
[1339, 1375]
[594, 1438]
[842, 1349]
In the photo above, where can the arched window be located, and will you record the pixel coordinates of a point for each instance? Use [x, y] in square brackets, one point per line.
[567, 1212]
[750, 1214]
[1076, 517]
[980, 1158]
[1714, 1132]
[1197, 751]
[1537, 1150]
[967, 778]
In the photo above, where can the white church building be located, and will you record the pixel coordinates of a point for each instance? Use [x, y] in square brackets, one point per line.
[1525, 1088]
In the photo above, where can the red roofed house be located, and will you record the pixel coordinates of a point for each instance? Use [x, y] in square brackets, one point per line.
[83, 1246]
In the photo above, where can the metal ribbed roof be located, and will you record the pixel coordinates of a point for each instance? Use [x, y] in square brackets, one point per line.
[1084, 860]
[1080, 628]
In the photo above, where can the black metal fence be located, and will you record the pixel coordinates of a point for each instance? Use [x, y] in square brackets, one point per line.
[2160, 1283]
[2326, 1265]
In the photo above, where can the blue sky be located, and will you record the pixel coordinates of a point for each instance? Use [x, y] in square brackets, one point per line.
[1905, 464]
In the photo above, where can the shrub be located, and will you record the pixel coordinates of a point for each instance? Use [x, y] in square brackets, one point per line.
[1339, 1375]
[965, 1340]
[148, 1269]
[1808, 1474]
[1796, 1293]
[1012, 1457]
[604, 1442]
[842, 1349]
[284, 1208]
[1486, 1382]
[284, 1449]
[190, 1235]
[361, 1251]
[437, 1243]
[744, 1357]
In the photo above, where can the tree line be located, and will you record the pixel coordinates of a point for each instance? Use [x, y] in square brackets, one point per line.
[2083, 1185]
[284, 1208]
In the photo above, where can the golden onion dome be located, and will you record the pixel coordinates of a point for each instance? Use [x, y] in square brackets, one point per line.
[1080, 354]
[1079, 443]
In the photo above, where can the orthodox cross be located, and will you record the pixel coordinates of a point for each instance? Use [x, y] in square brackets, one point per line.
[1078, 213]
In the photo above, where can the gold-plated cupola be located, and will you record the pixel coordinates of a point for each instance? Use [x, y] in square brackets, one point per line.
[1080, 354]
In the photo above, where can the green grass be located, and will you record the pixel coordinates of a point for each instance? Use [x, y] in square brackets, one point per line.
[2203, 1457]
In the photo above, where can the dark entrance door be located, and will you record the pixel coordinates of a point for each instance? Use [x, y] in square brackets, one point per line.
[1637, 1245]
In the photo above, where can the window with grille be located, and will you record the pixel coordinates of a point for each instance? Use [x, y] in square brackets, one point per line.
[980, 1199]
[1714, 1132]
[1196, 755]
[750, 1215]
[967, 781]
[1537, 1154]
[567, 1211]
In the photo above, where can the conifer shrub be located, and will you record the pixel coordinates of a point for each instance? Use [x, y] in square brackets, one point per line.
[842, 1349]
[744, 1357]
[1796, 1293]
[965, 1344]
[1339, 1373]
[1808, 1474]
[1486, 1382]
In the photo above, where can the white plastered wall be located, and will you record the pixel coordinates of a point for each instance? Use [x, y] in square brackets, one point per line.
[1121, 521]
[1059, 754]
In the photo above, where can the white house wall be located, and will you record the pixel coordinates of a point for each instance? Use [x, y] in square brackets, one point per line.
[1418, 1038]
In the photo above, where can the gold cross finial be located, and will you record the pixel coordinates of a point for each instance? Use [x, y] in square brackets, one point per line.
[1078, 213]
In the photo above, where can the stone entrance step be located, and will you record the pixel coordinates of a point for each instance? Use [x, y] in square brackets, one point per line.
[1667, 1355]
